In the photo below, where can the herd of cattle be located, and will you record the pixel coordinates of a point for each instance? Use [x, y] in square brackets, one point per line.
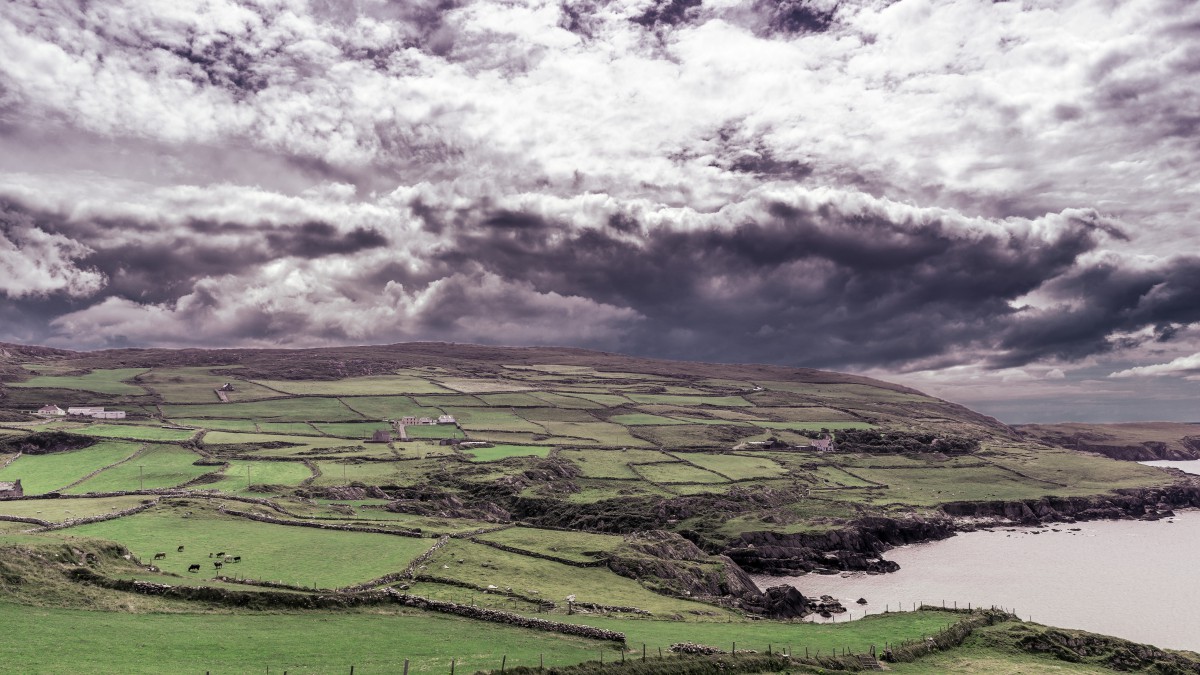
[195, 567]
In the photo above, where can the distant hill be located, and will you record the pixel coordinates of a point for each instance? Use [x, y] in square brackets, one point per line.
[1135, 441]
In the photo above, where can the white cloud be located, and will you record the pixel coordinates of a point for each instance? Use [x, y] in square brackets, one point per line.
[37, 263]
[1184, 365]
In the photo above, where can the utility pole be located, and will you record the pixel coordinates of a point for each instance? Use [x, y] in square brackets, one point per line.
[247, 476]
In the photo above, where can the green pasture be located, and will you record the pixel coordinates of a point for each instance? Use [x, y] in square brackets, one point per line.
[335, 472]
[101, 381]
[579, 546]
[691, 401]
[808, 414]
[483, 566]
[502, 451]
[737, 467]
[565, 401]
[296, 555]
[234, 479]
[306, 409]
[198, 385]
[118, 643]
[433, 431]
[695, 435]
[512, 400]
[44, 473]
[388, 407]
[58, 510]
[223, 425]
[812, 426]
[607, 400]
[495, 419]
[677, 472]
[640, 419]
[352, 429]
[544, 414]
[467, 385]
[356, 386]
[160, 466]
[612, 463]
[135, 431]
[602, 433]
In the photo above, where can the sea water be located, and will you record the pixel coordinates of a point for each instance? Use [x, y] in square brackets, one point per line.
[1139, 580]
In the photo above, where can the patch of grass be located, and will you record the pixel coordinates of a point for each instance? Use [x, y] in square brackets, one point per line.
[135, 431]
[498, 452]
[389, 407]
[812, 426]
[493, 419]
[334, 472]
[161, 466]
[695, 435]
[226, 425]
[440, 402]
[307, 409]
[433, 431]
[580, 546]
[58, 510]
[539, 415]
[357, 430]
[295, 555]
[357, 386]
[467, 385]
[197, 385]
[514, 399]
[808, 414]
[607, 400]
[101, 381]
[234, 479]
[639, 419]
[691, 401]
[611, 463]
[603, 433]
[565, 401]
[43, 473]
[677, 472]
[737, 467]
[485, 566]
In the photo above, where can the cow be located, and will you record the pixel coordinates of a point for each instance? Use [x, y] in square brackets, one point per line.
[237, 558]
[220, 554]
[179, 550]
[160, 556]
[210, 554]
[217, 564]
[193, 568]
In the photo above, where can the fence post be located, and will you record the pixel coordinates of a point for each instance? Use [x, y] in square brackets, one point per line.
[503, 660]
[643, 651]
[405, 666]
[452, 666]
[352, 669]
[541, 662]
[734, 648]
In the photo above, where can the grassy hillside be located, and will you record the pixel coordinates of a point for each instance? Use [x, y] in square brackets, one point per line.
[556, 465]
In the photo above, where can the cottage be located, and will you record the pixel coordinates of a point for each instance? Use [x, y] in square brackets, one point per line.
[408, 420]
[446, 419]
[11, 489]
[822, 444]
[51, 410]
[426, 420]
[381, 436]
[109, 415]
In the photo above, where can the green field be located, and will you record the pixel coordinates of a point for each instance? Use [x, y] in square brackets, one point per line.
[498, 452]
[494, 419]
[135, 431]
[812, 426]
[581, 546]
[58, 510]
[737, 467]
[677, 472]
[43, 473]
[639, 419]
[433, 431]
[160, 466]
[308, 409]
[197, 385]
[236, 478]
[102, 381]
[611, 463]
[356, 386]
[676, 399]
[295, 555]
[356, 430]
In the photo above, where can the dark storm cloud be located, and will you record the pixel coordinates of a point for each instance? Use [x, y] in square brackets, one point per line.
[668, 13]
[798, 284]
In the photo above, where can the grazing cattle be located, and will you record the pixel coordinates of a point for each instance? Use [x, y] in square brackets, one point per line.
[217, 564]
[193, 568]
[237, 558]
[220, 554]
[160, 556]
[210, 554]
[179, 550]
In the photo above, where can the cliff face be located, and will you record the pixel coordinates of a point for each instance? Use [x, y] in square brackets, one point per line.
[861, 545]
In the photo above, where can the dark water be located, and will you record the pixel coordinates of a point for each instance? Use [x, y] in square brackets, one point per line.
[1133, 579]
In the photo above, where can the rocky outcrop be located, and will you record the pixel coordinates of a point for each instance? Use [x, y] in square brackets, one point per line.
[450, 506]
[670, 564]
[856, 547]
[343, 493]
[777, 602]
[1137, 503]
[1115, 653]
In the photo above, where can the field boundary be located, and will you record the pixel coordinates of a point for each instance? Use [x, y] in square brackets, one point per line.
[137, 453]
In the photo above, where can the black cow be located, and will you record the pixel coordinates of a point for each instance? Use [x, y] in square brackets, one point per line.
[179, 550]
[193, 568]
[237, 558]
[220, 554]
[217, 564]
[160, 556]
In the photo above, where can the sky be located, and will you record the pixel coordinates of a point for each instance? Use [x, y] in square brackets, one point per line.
[994, 202]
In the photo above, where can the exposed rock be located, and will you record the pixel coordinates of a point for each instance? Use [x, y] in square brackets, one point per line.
[668, 563]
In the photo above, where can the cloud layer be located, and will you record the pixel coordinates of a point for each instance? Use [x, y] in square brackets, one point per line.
[908, 187]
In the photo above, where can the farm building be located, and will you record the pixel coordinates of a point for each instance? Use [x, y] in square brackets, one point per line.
[408, 421]
[11, 489]
[426, 420]
[51, 410]
[822, 444]
[381, 436]
[446, 419]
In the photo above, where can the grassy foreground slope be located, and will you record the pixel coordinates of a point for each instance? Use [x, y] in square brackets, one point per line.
[570, 486]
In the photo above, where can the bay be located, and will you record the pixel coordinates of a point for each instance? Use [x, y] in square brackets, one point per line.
[1139, 580]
